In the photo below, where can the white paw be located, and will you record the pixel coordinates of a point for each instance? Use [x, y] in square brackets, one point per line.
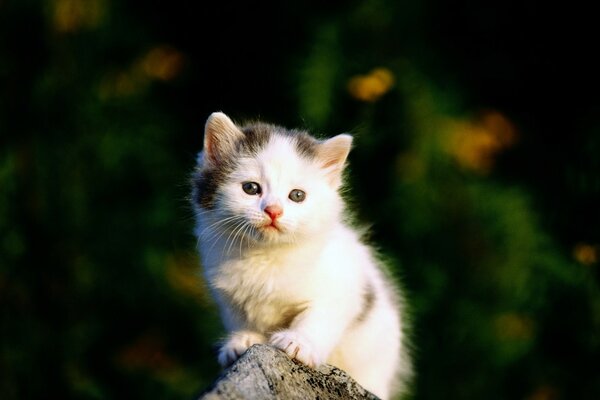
[296, 346]
[236, 345]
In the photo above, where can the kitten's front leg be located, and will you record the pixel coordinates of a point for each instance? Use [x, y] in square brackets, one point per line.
[236, 344]
[311, 338]
[297, 346]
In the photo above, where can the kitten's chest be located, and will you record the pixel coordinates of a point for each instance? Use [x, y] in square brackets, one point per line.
[267, 291]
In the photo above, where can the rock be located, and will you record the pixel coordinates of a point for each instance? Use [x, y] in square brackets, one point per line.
[264, 372]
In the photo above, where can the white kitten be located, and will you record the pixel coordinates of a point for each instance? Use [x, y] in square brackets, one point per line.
[282, 264]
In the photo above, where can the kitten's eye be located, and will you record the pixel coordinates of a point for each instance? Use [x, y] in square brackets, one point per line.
[251, 188]
[297, 195]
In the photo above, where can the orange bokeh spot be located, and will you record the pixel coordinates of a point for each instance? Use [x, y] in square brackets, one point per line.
[163, 63]
[372, 86]
[475, 143]
[147, 352]
[585, 254]
[73, 15]
[513, 326]
[544, 392]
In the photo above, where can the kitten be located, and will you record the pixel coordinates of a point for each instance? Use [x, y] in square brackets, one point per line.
[283, 266]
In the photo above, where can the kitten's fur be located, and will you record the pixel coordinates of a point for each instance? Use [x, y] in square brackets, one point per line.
[305, 284]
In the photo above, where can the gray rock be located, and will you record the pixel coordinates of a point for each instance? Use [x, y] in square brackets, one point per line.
[264, 372]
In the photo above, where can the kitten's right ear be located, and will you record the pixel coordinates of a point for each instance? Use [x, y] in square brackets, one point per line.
[220, 138]
[332, 154]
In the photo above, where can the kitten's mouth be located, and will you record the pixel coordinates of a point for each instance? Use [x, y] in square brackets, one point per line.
[271, 227]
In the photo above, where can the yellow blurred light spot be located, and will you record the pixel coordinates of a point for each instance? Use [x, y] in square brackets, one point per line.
[372, 86]
[544, 392]
[163, 63]
[121, 84]
[182, 275]
[146, 352]
[74, 15]
[125, 84]
[512, 326]
[475, 143]
[585, 253]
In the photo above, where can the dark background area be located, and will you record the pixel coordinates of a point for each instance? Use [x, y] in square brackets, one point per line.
[475, 161]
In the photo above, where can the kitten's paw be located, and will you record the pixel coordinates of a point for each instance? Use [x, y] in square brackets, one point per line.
[237, 343]
[296, 346]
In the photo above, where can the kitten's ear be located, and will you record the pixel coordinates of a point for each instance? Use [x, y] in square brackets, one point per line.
[332, 155]
[220, 138]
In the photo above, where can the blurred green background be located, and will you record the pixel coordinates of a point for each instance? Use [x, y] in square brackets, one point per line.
[476, 160]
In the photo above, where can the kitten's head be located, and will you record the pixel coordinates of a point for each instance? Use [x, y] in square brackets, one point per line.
[263, 183]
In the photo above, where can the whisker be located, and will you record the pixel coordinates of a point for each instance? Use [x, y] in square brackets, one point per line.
[233, 232]
[254, 233]
[245, 235]
[216, 237]
[223, 224]
[220, 221]
[237, 232]
[244, 228]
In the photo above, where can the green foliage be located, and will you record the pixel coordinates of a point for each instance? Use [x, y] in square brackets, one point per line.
[490, 223]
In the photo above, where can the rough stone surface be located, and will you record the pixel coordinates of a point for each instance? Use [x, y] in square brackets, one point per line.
[264, 372]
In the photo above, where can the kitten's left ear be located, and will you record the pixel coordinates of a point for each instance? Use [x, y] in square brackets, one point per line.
[332, 155]
[220, 138]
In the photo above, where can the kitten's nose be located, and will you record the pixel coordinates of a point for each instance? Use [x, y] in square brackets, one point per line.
[274, 211]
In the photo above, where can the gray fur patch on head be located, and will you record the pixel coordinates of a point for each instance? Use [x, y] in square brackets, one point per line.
[259, 134]
[206, 181]
[205, 184]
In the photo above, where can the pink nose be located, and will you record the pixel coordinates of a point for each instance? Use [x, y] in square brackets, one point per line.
[274, 211]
